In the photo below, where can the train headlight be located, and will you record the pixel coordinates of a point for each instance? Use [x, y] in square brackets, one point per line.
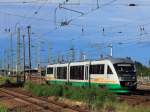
[133, 77]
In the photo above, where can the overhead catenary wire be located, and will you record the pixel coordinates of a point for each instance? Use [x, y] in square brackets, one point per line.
[97, 8]
[106, 26]
[14, 2]
[26, 17]
[40, 7]
[103, 5]
[27, 2]
[47, 20]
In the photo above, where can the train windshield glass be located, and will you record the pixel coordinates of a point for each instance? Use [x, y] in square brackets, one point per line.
[124, 68]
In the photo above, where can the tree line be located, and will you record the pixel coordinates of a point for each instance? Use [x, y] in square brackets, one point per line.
[142, 70]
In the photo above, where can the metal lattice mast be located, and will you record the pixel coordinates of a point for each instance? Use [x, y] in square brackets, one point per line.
[111, 49]
[29, 49]
[18, 56]
[11, 52]
[98, 4]
[24, 57]
[49, 54]
[72, 53]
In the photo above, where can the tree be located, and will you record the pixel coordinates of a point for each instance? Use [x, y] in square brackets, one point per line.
[142, 69]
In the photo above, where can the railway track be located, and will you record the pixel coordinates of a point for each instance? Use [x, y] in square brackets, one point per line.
[141, 92]
[137, 97]
[136, 100]
[38, 104]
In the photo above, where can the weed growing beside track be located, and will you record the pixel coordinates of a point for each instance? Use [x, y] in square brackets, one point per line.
[3, 108]
[97, 99]
[3, 80]
[122, 107]
[94, 96]
[6, 80]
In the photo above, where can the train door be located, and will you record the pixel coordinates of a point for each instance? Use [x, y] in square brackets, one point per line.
[68, 73]
[87, 74]
[55, 72]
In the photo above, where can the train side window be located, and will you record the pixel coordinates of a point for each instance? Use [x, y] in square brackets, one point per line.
[77, 72]
[97, 69]
[109, 71]
[61, 72]
[50, 70]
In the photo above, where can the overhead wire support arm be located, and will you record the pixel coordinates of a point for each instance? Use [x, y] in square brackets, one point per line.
[98, 4]
[64, 22]
[60, 6]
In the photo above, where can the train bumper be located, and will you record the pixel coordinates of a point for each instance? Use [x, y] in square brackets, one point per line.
[128, 84]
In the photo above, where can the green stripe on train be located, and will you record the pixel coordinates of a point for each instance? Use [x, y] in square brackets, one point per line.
[73, 83]
[112, 87]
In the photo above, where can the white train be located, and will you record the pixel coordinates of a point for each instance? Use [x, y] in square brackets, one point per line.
[118, 74]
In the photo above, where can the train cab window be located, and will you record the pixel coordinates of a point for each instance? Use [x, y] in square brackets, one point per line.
[50, 70]
[61, 72]
[97, 69]
[109, 71]
[77, 72]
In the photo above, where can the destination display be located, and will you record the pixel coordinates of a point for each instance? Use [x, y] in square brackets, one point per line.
[126, 65]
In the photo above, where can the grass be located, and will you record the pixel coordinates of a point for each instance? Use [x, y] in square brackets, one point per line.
[43, 90]
[123, 107]
[93, 96]
[110, 106]
[97, 99]
[3, 108]
[4, 80]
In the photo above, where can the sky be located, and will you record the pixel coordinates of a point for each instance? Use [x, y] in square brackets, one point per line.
[91, 29]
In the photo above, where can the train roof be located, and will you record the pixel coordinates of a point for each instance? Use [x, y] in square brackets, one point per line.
[113, 60]
[121, 60]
